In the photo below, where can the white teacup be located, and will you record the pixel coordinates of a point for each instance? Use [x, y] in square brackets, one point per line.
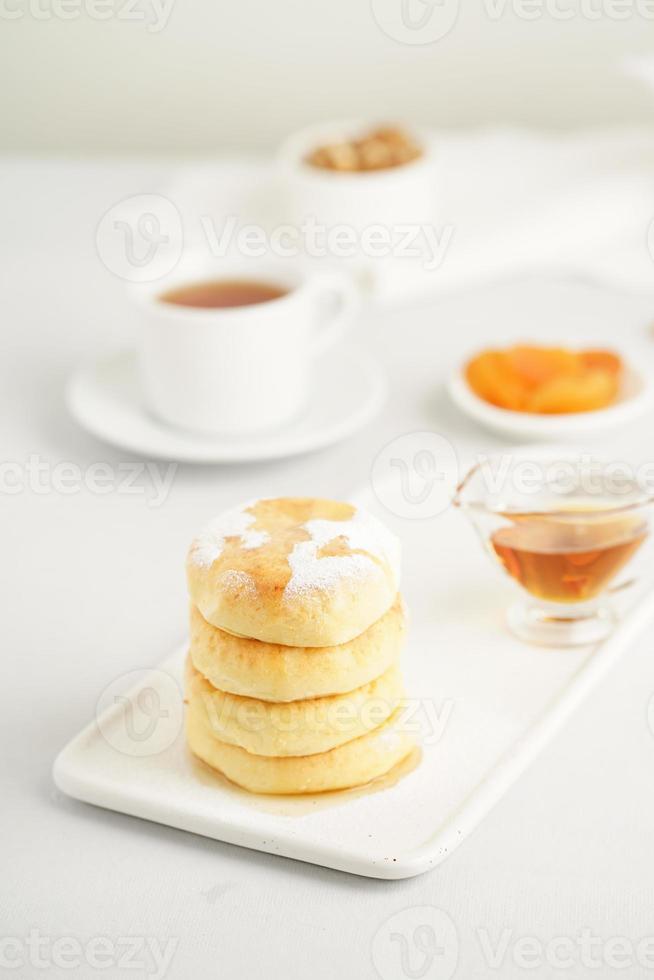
[238, 369]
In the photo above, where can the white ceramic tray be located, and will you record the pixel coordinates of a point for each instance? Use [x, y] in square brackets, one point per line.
[495, 701]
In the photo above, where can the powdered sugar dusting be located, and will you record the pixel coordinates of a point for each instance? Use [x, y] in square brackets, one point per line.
[236, 523]
[362, 533]
[233, 580]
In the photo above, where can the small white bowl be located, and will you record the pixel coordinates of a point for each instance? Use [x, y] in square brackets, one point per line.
[390, 197]
[635, 399]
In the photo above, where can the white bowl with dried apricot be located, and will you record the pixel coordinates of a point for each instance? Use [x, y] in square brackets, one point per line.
[547, 392]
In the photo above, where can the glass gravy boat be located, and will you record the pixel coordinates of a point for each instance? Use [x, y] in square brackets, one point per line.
[563, 528]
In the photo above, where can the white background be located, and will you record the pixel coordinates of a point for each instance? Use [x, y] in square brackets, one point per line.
[241, 74]
[93, 587]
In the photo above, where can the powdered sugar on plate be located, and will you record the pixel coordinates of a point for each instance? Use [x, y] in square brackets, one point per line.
[368, 540]
[236, 523]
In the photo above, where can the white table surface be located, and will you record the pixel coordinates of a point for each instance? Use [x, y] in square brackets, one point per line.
[93, 587]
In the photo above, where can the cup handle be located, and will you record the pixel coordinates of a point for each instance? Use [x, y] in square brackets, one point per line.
[334, 317]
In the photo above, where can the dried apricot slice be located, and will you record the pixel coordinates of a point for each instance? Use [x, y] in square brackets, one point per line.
[584, 392]
[535, 365]
[491, 377]
[605, 359]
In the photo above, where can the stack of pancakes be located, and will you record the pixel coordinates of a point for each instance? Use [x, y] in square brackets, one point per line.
[293, 684]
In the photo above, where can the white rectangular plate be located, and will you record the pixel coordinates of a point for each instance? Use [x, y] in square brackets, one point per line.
[497, 700]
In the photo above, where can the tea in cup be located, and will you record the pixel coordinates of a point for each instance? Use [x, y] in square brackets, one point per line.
[229, 347]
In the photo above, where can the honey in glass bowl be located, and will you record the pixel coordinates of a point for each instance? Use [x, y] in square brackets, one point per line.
[567, 557]
[566, 536]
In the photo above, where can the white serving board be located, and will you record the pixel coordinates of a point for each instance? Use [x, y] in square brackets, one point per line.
[503, 701]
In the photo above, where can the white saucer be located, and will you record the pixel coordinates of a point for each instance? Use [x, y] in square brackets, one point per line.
[104, 399]
[636, 399]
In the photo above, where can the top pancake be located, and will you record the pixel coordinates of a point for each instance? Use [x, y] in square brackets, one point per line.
[298, 571]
